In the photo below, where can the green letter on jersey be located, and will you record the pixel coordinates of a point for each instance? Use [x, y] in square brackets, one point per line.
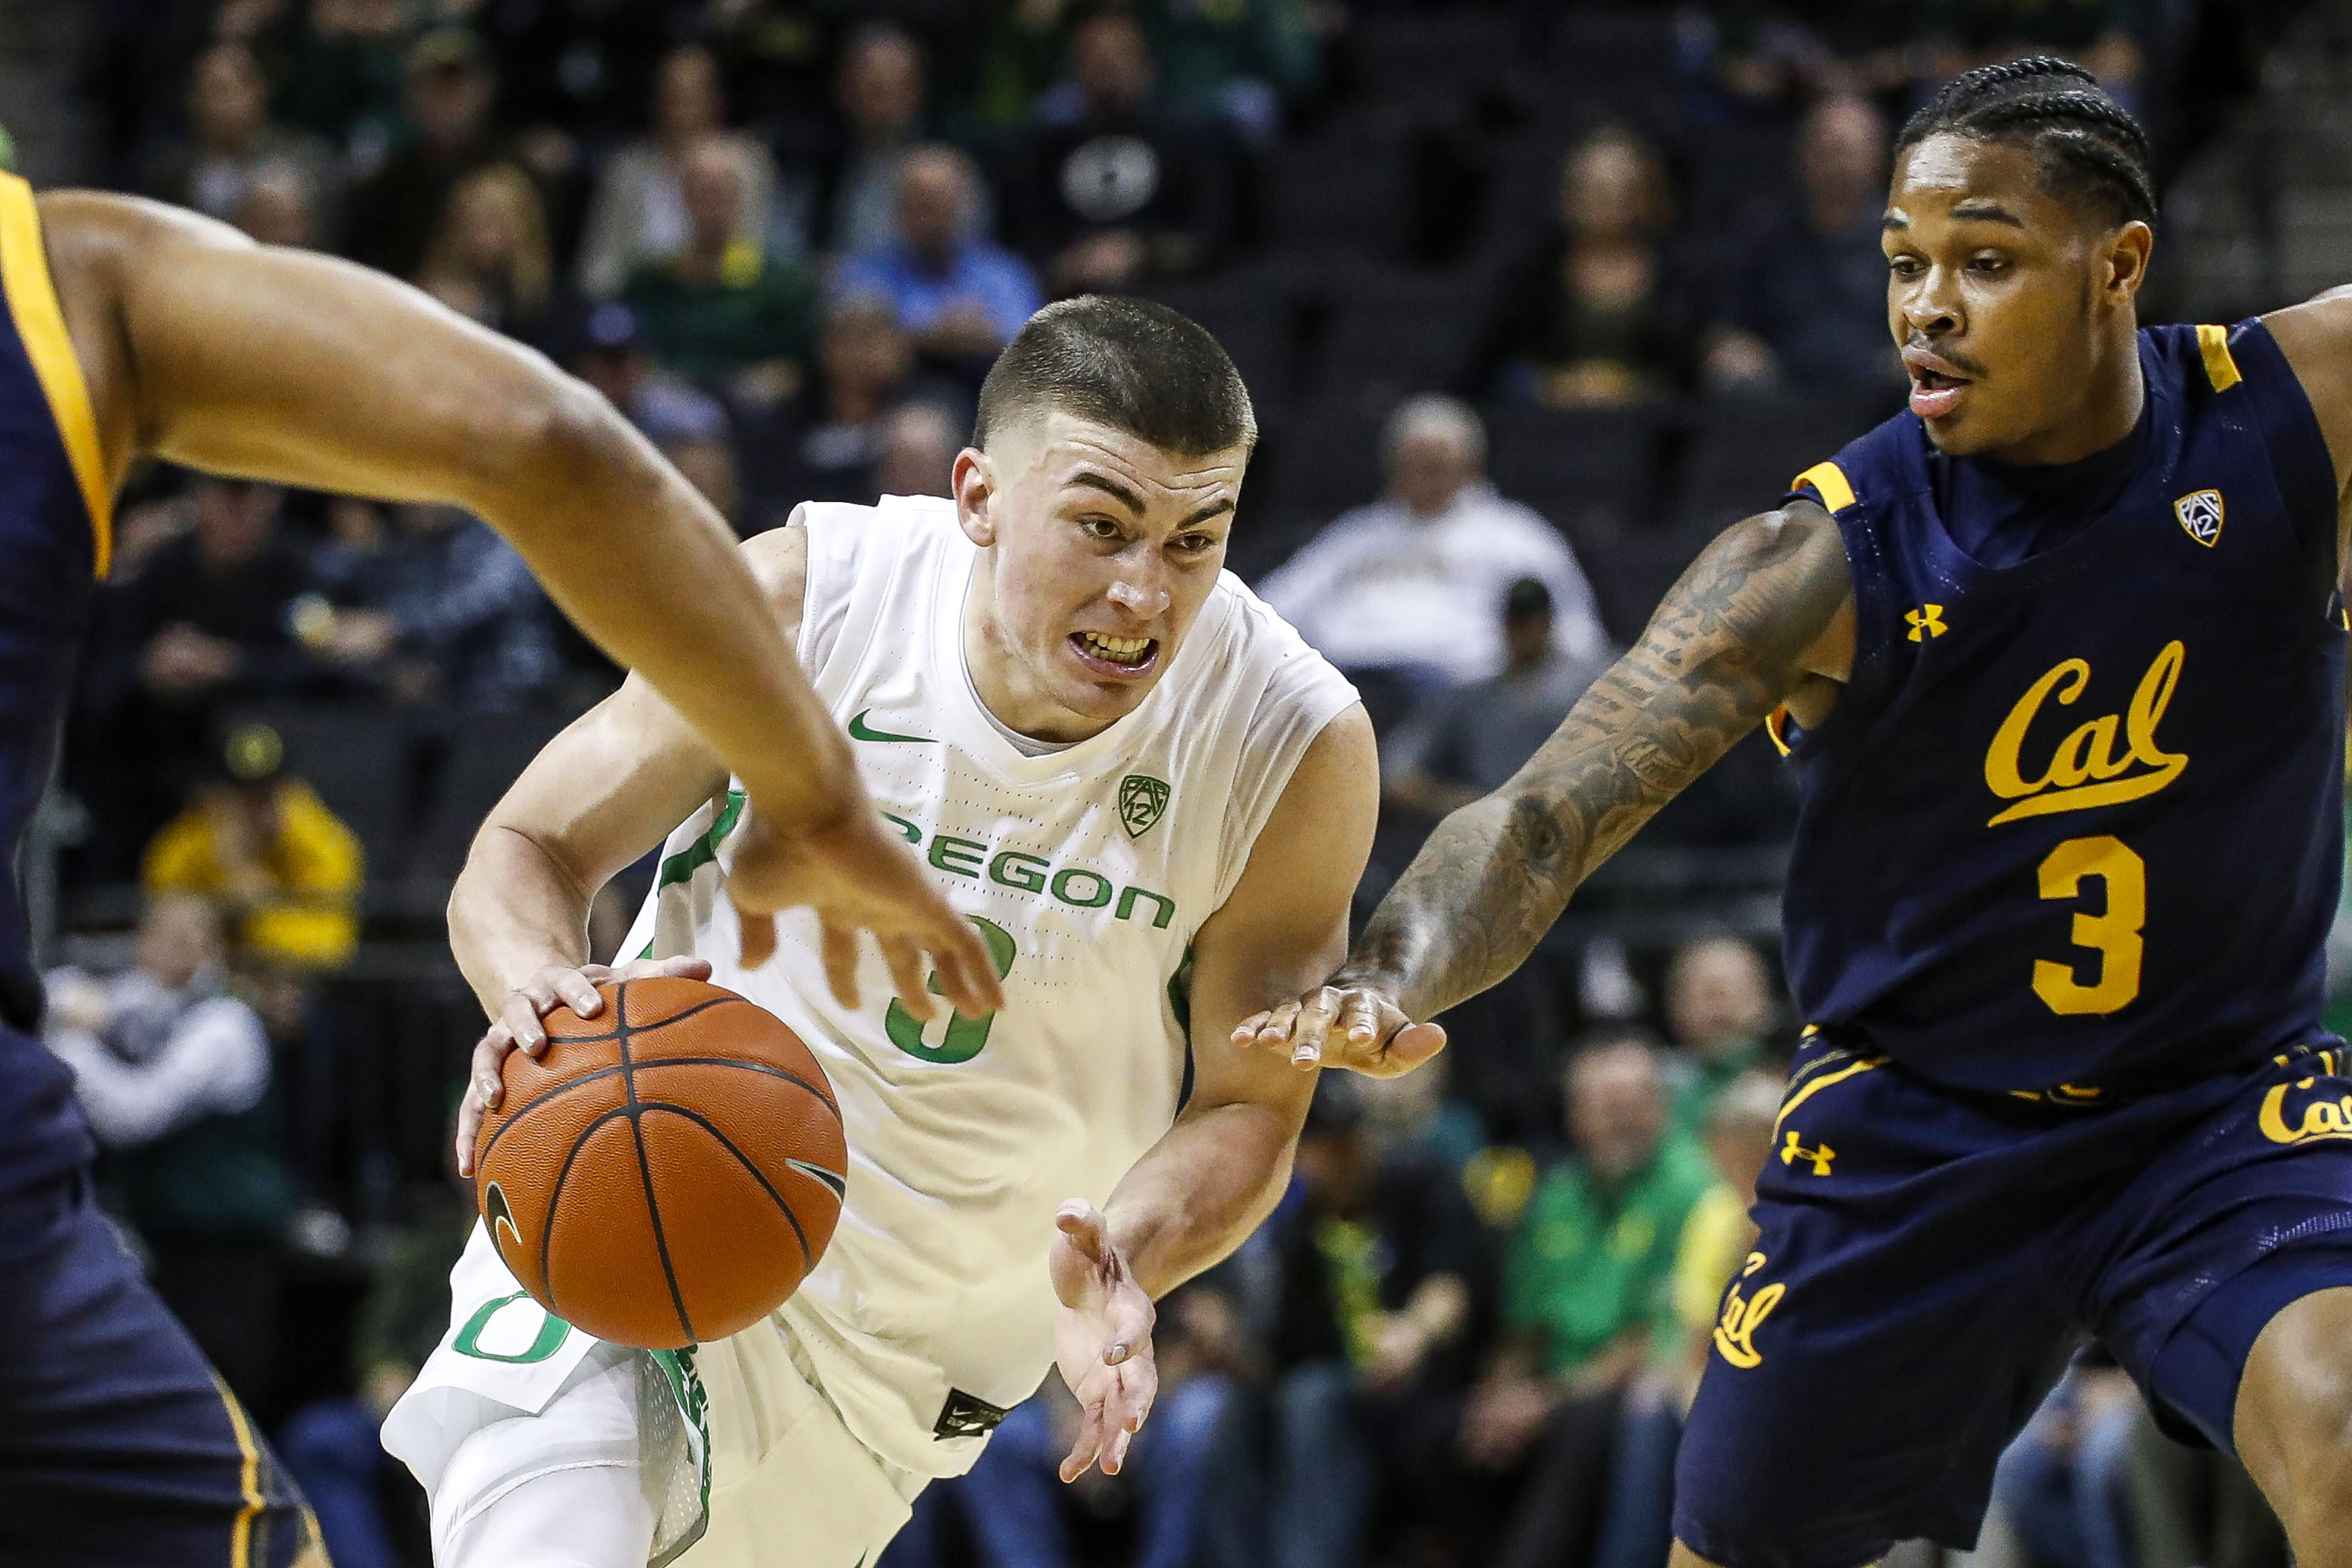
[965, 1036]
[552, 1332]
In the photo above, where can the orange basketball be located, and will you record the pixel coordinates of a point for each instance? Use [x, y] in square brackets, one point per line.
[666, 1172]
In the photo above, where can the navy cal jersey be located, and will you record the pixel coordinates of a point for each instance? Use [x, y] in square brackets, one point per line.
[2074, 827]
[54, 521]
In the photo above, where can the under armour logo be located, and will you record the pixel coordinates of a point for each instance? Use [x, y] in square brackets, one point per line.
[1926, 622]
[1794, 1150]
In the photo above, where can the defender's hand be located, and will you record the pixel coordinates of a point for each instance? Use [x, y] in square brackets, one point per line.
[1102, 1340]
[518, 1026]
[1374, 1037]
[857, 876]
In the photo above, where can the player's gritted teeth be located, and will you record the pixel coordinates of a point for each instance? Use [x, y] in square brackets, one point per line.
[1117, 656]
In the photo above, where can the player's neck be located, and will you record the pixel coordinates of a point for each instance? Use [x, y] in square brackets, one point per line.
[2113, 392]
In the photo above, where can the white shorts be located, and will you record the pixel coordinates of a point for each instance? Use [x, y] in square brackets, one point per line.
[534, 1438]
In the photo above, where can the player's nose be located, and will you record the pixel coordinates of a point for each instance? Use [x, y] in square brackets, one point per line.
[1932, 306]
[1142, 598]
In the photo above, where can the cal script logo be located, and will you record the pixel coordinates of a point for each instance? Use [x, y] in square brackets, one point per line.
[2200, 512]
[2317, 1118]
[2085, 769]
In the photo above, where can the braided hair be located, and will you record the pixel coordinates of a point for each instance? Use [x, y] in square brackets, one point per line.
[2085, 143]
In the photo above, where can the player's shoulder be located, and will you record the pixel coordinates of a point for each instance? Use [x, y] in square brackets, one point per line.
[844, 540]
[1261, 657]
[1885, 461]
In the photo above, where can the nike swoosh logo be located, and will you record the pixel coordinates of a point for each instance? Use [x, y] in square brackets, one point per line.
[501, 1217]
[858, 731]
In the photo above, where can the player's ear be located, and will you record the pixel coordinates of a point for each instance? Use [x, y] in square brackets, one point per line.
[2127, 260]
[975, 484]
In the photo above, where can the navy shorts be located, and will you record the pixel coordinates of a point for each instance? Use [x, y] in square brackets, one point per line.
[1929, 1261]
[119, 1448]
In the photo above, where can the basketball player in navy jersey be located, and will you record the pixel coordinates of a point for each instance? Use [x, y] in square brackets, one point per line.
[133, 330]
[2058, 658]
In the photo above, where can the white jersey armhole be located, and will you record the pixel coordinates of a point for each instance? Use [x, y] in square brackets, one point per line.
[1301, 695]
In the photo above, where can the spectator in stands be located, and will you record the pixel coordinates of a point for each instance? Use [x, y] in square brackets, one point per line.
[1586, 1278]
[612, 357]
[343, 80]
[879, 93]
[1600, 313]
[261, 844]
[488, 258]
[958, 296]
[1809, 303]
[437, 607]
[920, 443]
[1409, 585]
[449, 94]
[276, 207]
[1114, 189]
[1240, 63]
[637, 216]
[1714, 1244]
[232, 137]
[725, 312]
[1469, 740]
[578, 70]
[199, 614]
[209, 612]
[823, 445]
[1377, 1257]
[173, 1073]
[1720, 1010]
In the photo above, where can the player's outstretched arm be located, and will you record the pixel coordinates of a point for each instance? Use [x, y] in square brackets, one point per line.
[1767, 609]
[602, 794]
[1216, 1175]
[206, 348]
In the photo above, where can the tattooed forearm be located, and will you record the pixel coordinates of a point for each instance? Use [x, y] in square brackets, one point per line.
[1726, 646]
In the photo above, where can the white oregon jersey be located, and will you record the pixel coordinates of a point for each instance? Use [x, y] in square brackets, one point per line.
[1088, 871]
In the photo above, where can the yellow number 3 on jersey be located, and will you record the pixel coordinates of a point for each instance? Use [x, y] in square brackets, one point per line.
[2113, 933]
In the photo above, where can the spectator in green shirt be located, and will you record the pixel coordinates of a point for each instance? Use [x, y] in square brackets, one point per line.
[1588, 1275]
[1718, 1010]
[724, 312]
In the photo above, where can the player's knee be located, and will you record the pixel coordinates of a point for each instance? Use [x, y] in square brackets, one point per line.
[2294, 1425]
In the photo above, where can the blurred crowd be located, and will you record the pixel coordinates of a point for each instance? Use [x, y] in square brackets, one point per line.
[1532, 298]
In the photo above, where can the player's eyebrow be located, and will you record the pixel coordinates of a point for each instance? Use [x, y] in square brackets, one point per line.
[1217, 507]
[1986, 213]
[1110, 487]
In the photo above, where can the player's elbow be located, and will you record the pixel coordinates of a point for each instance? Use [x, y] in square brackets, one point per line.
[554, 437]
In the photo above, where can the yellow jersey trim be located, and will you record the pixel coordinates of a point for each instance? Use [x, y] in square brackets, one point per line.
[1866, 1064]
[1830, 480]
[2213, 343]
[248, 1479]
[41, 324]
[1776, 725]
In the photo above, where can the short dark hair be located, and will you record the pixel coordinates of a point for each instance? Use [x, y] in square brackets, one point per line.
[1131, 364]
[2083, 141]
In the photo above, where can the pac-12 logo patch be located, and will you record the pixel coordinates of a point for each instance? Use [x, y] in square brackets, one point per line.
[2199, 512]
[1141, 799]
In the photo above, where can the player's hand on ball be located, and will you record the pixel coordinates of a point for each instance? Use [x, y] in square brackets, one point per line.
[857, 876]
[518, 1027]
[1102, 1339]
[1355, 1027]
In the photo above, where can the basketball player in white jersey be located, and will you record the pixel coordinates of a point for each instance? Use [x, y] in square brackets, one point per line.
[1154, 801]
